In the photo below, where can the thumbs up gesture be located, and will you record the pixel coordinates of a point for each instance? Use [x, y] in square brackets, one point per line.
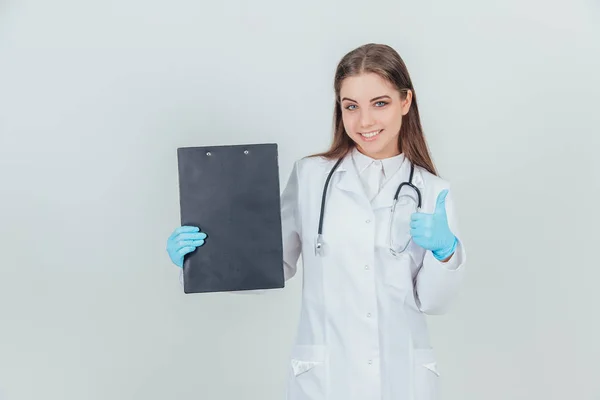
[431, 231]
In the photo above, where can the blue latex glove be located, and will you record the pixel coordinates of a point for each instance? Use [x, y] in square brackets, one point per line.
[431, 231]
[182, 241]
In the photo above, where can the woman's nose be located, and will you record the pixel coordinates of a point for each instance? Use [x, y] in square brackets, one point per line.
[366, 119]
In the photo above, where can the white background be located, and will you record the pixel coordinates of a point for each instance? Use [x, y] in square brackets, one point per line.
[95, 97]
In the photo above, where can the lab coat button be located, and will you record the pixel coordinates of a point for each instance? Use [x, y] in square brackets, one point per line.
[370, 362]
[366, 267]
[368, 221]
[368, 315]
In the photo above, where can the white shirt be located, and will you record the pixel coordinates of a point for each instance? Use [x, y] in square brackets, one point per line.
[375, 173]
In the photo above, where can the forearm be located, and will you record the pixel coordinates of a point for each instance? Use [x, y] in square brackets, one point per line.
[439, 281]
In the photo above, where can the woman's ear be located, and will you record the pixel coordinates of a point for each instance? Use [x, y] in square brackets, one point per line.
[406, 102]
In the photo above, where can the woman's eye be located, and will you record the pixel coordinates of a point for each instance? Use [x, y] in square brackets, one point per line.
[378, 104]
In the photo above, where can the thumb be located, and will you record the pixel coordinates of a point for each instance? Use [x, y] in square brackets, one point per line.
[440, 204]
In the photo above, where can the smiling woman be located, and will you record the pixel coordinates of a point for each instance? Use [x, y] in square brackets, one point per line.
[379, 241]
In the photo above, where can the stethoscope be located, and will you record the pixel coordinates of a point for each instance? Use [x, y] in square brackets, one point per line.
[320, 244]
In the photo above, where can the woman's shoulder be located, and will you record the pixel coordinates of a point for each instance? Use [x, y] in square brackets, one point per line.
[432, 180]
[313, 164]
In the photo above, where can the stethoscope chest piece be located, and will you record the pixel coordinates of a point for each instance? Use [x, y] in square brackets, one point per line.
[320, 246]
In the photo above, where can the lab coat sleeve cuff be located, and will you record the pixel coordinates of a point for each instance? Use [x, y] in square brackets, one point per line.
[455, 262]
[438, 282]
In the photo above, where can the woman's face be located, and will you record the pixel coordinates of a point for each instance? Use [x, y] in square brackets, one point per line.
[372, 111]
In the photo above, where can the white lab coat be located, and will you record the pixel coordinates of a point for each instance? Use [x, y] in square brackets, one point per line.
[362, 333]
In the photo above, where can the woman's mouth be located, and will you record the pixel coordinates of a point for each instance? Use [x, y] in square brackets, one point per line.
[369, 136]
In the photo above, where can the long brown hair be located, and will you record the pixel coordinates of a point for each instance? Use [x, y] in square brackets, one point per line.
[387, 63]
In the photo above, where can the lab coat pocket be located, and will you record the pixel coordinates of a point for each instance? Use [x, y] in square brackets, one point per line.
[426, 375]
[308, 378]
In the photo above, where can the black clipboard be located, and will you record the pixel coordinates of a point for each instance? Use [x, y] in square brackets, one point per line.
[232, 194]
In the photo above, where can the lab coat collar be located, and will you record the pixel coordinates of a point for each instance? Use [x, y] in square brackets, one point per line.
[350, 180]
[385, 197]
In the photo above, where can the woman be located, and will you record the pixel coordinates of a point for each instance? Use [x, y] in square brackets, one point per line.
[370, 276]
